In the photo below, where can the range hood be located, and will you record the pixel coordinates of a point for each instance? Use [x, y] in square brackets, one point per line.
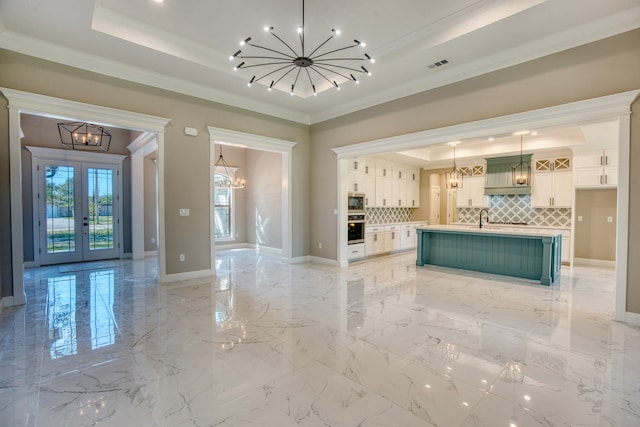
[499, 177]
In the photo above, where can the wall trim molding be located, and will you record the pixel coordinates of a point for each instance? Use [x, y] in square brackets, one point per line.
[176, 277]
[263, 143]
[615, 107]
[325, 261]
[608, 107]
[594, 262]
[632, 318]
[150, 253]
[26, 102]
[300, 259]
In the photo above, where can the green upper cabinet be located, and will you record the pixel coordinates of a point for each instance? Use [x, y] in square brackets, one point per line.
[499, 177]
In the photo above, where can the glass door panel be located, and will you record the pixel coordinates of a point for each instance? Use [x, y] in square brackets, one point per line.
[100, 241]
[78, 211]
[58, 193]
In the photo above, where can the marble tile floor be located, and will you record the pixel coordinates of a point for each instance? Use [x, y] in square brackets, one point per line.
[265, 343]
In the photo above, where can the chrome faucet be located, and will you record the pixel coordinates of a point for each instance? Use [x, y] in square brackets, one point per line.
[481, 212]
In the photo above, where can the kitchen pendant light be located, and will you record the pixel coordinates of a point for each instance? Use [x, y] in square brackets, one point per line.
[454, 178]
[228, 173]
[521, 173]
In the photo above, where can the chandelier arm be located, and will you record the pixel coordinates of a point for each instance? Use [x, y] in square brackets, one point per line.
[322, 75]
[309, 76]
[335, 50]
[284, 75]
[321, 44]
[275, 51]
[272, 72]
[339, 66]
[284, 43]
[297, 76]
[331, 71]
[267, 57]
[267, 63]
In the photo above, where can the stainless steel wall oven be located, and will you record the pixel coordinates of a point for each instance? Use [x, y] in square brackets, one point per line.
[355, 232]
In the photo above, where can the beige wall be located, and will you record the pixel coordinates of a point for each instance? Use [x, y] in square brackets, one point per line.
[264, 199]
[150, 214]
[598, 69]
[595, 238]
[602, 68]
[186, 179]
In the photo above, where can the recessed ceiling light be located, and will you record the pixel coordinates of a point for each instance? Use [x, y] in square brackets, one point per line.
[534, 133]
[492, 139]
[158, 1]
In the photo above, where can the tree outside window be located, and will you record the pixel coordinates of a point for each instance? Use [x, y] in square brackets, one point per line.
[222, 200]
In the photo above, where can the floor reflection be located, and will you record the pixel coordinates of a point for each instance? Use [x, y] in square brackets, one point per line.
[71, 328]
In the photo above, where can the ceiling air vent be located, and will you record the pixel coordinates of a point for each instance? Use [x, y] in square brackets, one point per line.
[439, 63]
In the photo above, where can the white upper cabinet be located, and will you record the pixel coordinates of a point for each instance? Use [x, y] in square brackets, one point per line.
[385, 184]
[552, 183]
[596, 168]
[471, 195]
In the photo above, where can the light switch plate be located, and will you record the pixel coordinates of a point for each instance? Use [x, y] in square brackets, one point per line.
[579, 218]
[184, 212]
[609, 219]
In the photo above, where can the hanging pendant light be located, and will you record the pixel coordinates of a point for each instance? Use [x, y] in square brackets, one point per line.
[454, 178]
[229, 178]
[521, 173]
[84, 136]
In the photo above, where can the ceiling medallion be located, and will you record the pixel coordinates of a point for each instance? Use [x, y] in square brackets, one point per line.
[322, 63]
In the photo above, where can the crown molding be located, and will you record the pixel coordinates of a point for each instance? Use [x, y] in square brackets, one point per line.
[608, 107]
[249, 140]
[588, 33]
[96, 64]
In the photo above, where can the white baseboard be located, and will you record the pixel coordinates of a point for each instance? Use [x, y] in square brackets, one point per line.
[220, 247]
[325, 261]
[632, 318]
[594, 262]
[6, 302]
[268, 250]
[29, 264]
[187, 276]
[150, 253]
[300, 259]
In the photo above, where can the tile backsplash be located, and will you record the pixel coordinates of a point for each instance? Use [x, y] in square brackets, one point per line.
[387, 215]
[518, 209]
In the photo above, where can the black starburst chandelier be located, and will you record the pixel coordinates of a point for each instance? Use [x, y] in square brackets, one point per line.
[322, 64]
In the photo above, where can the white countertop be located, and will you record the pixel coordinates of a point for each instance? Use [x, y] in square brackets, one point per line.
[543, 227]
[491, 229]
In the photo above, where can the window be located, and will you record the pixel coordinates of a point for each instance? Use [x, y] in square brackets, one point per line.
[223, 202]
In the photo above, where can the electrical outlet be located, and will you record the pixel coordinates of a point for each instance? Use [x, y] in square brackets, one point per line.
[153, 240]
[182, 257]
[579, 218]
[609, 219]
[184, 212]
[319, 245]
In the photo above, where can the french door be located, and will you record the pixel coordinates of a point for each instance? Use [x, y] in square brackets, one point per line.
[78, 211]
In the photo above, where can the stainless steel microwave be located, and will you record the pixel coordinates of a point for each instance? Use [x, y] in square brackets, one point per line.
[355, 203]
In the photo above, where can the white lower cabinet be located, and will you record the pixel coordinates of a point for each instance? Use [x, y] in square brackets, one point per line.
[379, 239]
[408, 236]
[356, 251]
[392, 238]
[373, 240]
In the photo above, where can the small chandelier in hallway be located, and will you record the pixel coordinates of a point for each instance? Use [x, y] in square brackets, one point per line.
[230, 179]
[84, 136]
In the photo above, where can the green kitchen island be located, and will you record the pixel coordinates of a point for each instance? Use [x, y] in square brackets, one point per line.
[511, 252]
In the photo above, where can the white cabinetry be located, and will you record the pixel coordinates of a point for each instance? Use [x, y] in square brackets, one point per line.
[373, 240]
[408, 236]
[597, 168]
[552, 183]
[392, 238]
[385, 184]
[472, 192]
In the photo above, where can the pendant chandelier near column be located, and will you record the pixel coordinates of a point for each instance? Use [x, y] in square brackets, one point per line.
[84, 136]
[287, 66]
[454, 178]
[521, 173]
[228, 174]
